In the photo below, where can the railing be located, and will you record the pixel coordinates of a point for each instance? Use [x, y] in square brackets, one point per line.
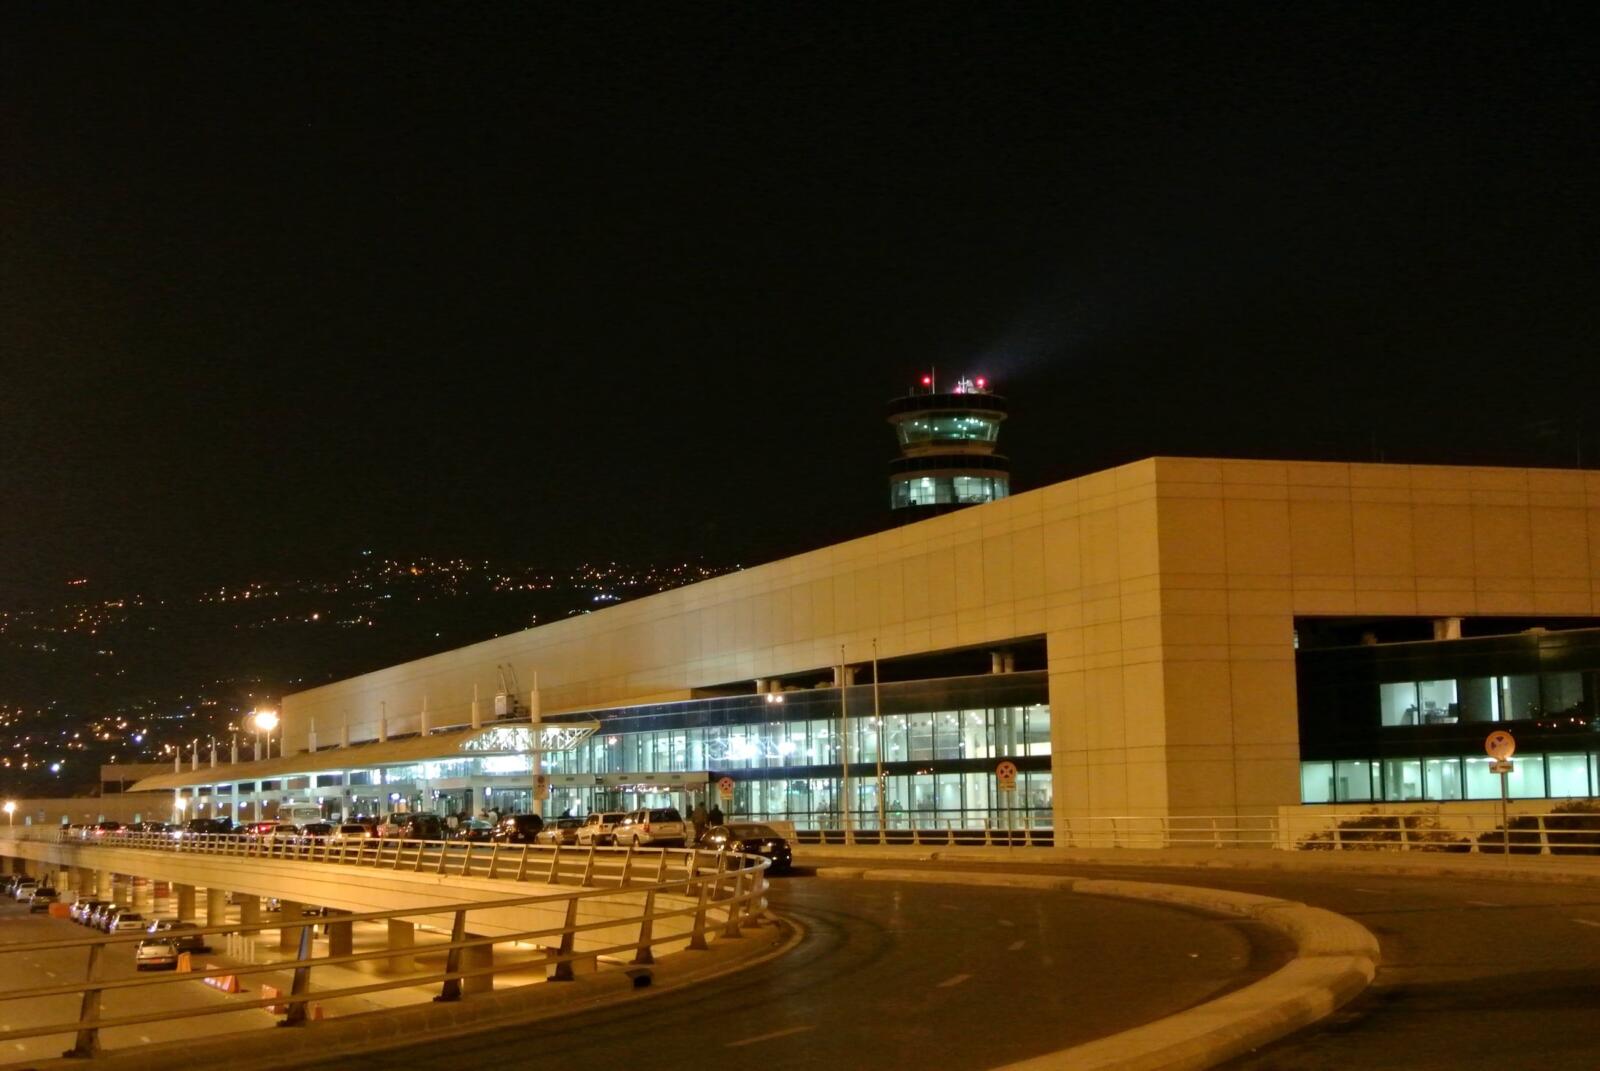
[552, 864]
[1428, 830]
[715, 890]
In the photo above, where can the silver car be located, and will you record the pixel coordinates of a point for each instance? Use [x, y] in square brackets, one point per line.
[597, 828]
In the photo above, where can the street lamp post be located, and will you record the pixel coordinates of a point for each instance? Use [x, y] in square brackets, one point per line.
[265, 722]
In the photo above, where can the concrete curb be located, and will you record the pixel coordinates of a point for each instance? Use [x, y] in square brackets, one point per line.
[356, 1035]
[1553, 870]
[1335, 959]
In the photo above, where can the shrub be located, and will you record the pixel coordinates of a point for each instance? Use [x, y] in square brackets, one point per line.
[1375, 831]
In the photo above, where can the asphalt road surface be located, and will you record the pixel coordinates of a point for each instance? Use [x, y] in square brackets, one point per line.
[1477, 975]
[901, 975]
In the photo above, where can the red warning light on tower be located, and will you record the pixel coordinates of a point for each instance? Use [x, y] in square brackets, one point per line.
[983, 384]
[927, 381]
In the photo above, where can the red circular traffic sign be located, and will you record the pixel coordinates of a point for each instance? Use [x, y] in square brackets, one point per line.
[1500, 745]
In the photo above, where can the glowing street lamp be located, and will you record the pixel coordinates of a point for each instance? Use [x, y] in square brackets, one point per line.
[11, 811]
[265, 721]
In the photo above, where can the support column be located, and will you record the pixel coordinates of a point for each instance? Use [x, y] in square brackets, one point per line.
[102, 885]
[216, 907]
[341, 938]
[289, 935]
[476, 958]
[249, 908]
[402, 939]
[185, 894]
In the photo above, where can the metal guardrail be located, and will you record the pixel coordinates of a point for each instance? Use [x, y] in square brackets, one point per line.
[726, 890]
[1477, 832]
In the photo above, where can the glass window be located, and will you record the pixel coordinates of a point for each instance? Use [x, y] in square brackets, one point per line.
[947, 735]
[1316, 782]
[1354, 780]
[1563, 693]
[919, 734]
[1527, 777]
[1519, 698]
[1008, 730]
[1399, 702]
[1442, 779]
[1402, 779]
[1438, 699]
[894, 738]
[1036, 732]
[1479, 698]
[1569, 775]
[1481, 784]
[975, 734]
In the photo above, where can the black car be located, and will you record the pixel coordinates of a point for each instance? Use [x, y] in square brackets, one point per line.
[518, 829]
[752, 838]
[208, 825]
[418, 825]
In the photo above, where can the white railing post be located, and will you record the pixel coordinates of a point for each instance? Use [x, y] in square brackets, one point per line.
[1544, 835]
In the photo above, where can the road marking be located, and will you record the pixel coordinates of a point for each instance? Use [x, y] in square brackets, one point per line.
[1015, 946]
[1586, 922]
[768, 1037]
[1480, 903]
[1374, 892]
[145, 1038]
[957, 979]
[1007, 922]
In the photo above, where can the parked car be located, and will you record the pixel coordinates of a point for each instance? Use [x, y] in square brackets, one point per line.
[127, 922]
[82, 908]
[101, 915]
[316, 832]
[419, 825]
[475, 830]
[100, 829]
[752, 838]
[260, 829]
[653, 827]
[185, 934]
[559, 831]
[156, 953]
[24, 889]
[598, 827]
[518, 829]
[351, 831]
[42, 898]
[195, 826]
[8, 884]
[150, 827]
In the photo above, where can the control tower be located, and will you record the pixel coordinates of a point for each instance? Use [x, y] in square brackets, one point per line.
[947, 442]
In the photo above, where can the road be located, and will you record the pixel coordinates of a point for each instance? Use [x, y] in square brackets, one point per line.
[1477, 975]
[893, 975]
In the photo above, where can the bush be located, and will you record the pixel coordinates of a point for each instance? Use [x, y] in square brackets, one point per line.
[1571, 828]
[1375, 831]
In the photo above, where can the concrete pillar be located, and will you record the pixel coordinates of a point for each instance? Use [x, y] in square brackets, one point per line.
[341, 938]
[288, 935]
[1447, 628]
[475, 958]
[216, 907]
[185, 901]
[249, 908]
[102, 885]
[402, 939]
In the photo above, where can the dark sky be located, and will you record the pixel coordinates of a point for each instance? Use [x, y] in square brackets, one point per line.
[570, 280]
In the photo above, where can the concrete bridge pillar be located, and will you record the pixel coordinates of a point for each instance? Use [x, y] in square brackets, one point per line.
[249, 908]
[102, 885]
[185, 901]
[289, 911]
[402, 939]
[341, 938]
[475, 958]
[216, 907]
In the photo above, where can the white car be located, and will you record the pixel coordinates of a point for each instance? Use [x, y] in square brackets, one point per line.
[653, 827]
[596, 828]
[24, 890]
[128, 922]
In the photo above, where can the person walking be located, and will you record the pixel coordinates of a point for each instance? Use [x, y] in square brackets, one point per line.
[716, 815]
[697, 818]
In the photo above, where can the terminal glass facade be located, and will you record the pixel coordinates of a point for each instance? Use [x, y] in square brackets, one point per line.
[948, 490]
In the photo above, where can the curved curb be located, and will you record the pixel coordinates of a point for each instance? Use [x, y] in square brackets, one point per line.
[1335, 959]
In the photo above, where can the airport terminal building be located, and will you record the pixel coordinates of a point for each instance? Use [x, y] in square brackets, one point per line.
[1170, 637]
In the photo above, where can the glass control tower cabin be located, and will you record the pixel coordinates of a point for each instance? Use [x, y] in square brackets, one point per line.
[947, 449]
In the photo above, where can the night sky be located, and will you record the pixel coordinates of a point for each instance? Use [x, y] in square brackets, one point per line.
[565, 281]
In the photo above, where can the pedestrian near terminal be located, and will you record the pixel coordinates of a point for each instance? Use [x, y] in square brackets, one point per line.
[698, 818]
[716, 815]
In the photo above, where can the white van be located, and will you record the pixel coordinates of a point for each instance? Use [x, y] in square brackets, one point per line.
[300, 813]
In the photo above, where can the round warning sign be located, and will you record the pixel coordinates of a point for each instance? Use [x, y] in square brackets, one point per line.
[1006, 775]
[725, 788]
[1500, 745]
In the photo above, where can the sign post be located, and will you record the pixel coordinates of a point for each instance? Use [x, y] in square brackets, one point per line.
[725, 790]
[1500, 746]
[1005, 776]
